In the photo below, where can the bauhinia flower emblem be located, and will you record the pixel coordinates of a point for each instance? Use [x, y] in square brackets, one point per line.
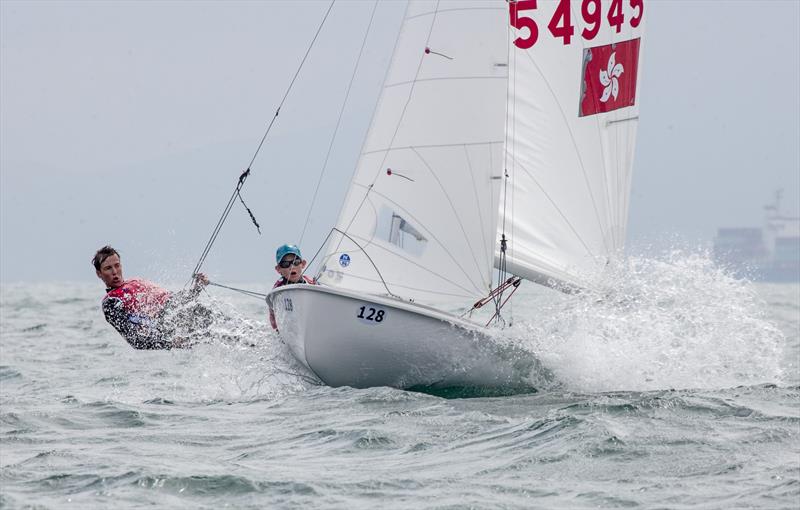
[608, 78]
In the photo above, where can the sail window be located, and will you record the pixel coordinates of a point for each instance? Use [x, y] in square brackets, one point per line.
[397, 230]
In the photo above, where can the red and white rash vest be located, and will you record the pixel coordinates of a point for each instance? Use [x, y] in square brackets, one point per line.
[134, 309]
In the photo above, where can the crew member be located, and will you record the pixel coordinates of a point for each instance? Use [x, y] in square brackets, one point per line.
[290, 266]
[136, 307]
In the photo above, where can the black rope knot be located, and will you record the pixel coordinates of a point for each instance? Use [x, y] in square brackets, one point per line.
[252, 217]
[244, 176]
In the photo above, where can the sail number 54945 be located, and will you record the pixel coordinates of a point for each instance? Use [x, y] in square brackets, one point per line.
[371, 314]
[561, 23]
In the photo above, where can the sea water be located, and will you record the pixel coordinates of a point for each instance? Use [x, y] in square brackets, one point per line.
[674, 386]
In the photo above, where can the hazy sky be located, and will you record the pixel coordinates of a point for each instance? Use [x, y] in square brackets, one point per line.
[129, 122]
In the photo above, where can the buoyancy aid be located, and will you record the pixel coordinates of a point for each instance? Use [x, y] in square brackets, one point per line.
[283, 281]
[133, 309]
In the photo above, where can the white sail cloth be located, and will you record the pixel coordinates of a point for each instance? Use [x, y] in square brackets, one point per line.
[423, 202]
[569, 175]
[475, 137]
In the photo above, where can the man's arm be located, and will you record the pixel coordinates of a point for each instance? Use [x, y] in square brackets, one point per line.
[185, 296]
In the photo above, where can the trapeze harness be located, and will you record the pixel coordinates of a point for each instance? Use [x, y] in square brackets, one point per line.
[135, 309]
[280, 283]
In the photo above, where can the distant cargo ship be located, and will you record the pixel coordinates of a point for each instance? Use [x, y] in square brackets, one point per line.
[770, 254]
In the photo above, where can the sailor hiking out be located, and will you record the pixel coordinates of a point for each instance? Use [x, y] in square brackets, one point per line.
[138, 309]
[290, 265]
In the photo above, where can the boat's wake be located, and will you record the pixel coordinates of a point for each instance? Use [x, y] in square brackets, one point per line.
[678, 322]
[244, 372]
[232, 358]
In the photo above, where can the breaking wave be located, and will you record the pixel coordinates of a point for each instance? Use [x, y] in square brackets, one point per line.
[675, 322]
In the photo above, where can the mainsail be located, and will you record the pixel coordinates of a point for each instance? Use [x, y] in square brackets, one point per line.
[494, 120]
[569, 162]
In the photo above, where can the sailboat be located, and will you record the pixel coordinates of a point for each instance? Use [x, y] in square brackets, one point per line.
[501, 148]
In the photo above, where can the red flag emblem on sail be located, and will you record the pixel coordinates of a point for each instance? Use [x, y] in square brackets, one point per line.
[609, 77]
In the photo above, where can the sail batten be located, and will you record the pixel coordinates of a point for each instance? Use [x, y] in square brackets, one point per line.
[452, 78]
[426, 146]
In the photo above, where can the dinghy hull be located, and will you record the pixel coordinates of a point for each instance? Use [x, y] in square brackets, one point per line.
[348, 339]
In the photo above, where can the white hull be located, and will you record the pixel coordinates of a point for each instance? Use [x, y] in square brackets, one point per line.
[362, 341]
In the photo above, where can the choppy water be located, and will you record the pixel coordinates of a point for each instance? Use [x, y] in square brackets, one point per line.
[678, 388]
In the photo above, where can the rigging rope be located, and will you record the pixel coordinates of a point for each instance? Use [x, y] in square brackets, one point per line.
[496, 295]
[515, 284]
[338, 122]
[243, 177]
[502, 273]
[342, 232]
[243, 291]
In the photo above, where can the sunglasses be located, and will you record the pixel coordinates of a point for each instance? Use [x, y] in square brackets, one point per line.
[293, 262]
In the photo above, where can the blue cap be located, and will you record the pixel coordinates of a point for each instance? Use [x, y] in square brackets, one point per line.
[286, 249]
